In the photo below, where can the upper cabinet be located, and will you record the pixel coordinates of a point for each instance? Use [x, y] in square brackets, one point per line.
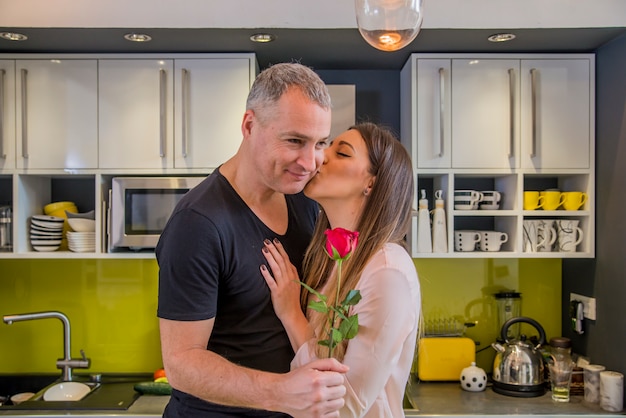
[135, 113]
[210, 99]
[484, 113]
[505, 123]
[70, 123]
[177, 113]
[7, 114]
[56, 108]
[498, 112]
[556, 129]
[430, 106]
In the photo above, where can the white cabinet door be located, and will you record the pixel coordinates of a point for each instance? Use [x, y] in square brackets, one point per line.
[433, 113]
[210, 100]
[484, 113]
[135, 113]
[555, 128]
[7, 114]
[57, 114]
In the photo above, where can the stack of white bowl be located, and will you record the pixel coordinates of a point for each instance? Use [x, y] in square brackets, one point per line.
[46, 232]
[82, 238]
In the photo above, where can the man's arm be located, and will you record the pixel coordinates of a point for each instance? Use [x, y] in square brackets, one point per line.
[314, 390]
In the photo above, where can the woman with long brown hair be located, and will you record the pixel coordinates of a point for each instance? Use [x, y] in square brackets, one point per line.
[365, 184]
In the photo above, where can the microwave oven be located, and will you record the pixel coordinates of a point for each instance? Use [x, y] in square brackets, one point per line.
[139, 208]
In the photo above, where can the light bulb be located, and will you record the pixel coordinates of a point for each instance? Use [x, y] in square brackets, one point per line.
[389, 25]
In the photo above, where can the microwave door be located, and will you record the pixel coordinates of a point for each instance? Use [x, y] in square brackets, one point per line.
[141, 209]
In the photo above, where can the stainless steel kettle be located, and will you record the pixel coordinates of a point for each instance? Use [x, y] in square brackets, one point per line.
[518, 366]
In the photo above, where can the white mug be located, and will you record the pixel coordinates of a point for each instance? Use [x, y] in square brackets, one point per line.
[531, 239]
[570, 235]
[465, 240]
[467, 199]
[546, 235]
[491, 200]
[492, 240]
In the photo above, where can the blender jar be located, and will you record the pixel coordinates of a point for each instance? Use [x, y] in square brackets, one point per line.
[509, 305]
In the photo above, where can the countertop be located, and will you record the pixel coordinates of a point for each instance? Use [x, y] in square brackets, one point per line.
[448, 399]
[146, 406]
[431, 399]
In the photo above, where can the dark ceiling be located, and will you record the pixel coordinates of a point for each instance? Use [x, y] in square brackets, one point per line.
[319, 48]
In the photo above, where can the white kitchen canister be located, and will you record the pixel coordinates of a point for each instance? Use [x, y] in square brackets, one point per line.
[591, 373]
[473, 379]
[611, 391]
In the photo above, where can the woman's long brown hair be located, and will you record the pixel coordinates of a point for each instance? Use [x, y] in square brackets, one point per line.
[385, 219]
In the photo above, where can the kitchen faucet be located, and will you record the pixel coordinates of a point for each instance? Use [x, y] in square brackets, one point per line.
[67, 362]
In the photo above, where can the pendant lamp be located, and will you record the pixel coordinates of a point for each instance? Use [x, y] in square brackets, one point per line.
[389, 25]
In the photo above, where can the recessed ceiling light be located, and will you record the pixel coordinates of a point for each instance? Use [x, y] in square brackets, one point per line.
[501, 37]
[13, 36]
[262, 37]
[137, 37]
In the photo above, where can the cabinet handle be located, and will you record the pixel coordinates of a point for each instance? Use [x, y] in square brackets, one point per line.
[442, 95]
[511, 111]
[163, 105]
[24, 75]
[2, 154]
[533, 103]
[185, 104]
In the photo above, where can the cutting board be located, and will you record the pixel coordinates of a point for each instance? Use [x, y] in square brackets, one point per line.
[443, 358]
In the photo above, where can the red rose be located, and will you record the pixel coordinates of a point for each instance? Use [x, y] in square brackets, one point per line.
[340, 243]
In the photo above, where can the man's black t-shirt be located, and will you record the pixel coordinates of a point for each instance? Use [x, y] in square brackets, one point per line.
[209, 257]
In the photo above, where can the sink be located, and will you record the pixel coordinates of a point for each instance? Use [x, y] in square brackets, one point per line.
[65, 391]
[109, 392]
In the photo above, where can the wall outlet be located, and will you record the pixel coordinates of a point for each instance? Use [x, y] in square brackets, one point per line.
[589, 305]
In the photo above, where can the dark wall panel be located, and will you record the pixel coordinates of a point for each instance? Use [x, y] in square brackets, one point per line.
[605, 277]
[377, 94]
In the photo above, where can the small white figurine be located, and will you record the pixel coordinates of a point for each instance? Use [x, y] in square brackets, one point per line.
[473, 379]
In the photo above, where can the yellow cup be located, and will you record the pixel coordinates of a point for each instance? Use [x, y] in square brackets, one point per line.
[532, 200]
[552, 199]
[574, 200]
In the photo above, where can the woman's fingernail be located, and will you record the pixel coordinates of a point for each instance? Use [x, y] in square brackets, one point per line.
[276, 241]
[265, 250]
[263, 268]
[267, 241]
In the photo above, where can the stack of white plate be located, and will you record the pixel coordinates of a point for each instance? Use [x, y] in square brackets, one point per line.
[46, 232]
[81, 242]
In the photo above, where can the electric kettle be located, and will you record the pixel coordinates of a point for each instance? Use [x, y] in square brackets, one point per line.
[518, 366]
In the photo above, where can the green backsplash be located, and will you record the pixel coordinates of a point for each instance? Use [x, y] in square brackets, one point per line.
[112, 304]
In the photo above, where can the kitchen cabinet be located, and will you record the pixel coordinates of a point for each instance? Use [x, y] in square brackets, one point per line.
[210, 99]
[89, 118]
[433, 124]
[56, 113]
[7, 115]
[484, 113]
[181, 113]
[556, 113]
[504, 122]
[135, 103]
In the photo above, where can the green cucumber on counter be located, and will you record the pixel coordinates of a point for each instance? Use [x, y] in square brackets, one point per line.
[153, 388]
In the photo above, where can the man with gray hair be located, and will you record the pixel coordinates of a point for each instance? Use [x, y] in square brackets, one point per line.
[225, 352]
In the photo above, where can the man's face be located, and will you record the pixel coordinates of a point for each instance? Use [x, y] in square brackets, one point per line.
[288, 141]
